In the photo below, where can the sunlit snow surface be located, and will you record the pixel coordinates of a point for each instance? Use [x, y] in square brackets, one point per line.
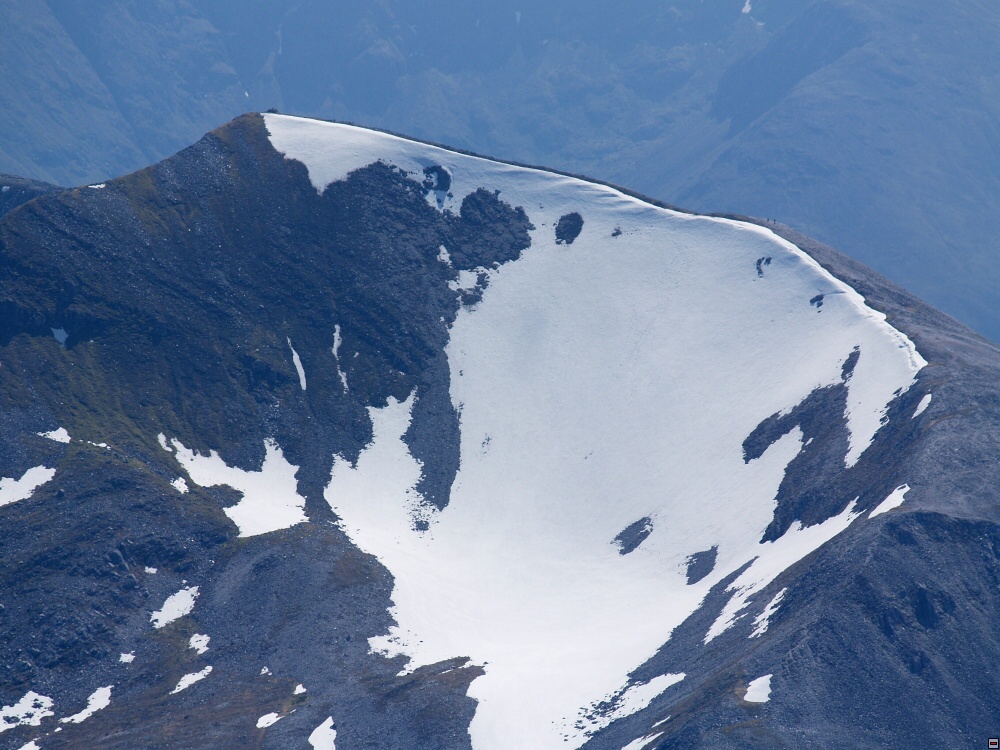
[58, 435]
[30, 711]
[12, 490]
[615, 379]
[297, 361]
[324, 736]
[176, 606]
[337, 341]
[763, 620]
[271, 500]
[895, 499]
[775, 557]
[199, 642]
[759, 690]
[642, 742]
[632, 699]
[190, 679]
[99, 699]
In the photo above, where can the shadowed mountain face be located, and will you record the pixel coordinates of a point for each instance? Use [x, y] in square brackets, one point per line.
[16, 190]
[440, 452]
[868, 126]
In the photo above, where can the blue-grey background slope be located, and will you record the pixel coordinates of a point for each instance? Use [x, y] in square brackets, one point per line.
[870, 126]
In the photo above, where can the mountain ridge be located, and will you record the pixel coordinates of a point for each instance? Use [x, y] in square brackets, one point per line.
[648, 101]
[204, 253]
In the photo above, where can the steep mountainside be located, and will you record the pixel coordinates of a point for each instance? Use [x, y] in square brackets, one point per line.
[316, 436]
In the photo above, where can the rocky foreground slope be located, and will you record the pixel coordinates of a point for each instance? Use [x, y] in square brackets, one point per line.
[313, 436]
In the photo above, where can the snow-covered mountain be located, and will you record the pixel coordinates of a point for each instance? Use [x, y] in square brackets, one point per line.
[870, 126]
[313, 435]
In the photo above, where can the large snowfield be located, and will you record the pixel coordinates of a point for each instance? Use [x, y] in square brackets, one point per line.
[599, 383]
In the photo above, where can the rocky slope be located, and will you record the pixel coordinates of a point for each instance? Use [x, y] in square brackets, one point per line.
[17, 190]
[315, 436]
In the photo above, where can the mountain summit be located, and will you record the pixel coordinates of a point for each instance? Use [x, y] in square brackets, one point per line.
[313, 435]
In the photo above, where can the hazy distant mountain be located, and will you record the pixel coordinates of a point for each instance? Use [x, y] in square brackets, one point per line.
[868, 125]
[93, 90]
[313, 435]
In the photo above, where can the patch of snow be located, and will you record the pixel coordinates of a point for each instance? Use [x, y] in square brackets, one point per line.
[59, 435]
[299, 690]
[297, 361]
[60, 335]
[265, 671]
[759, 690]
[922, 406]
[894, 500]
[162, 440]
[4, 189]
[746, 7]
[466, 281]
[180, 484]
[762, 620]
[127, 658]
[444, 256]
[267, 720]
[384, 471]
[199, 642]
[33, 745]
[29, 711]
[270, 496]
[176, 606]
[151, 571]
[633, 699]
[467, 552]
[190, 679]
[773, 558]
[98, 186]
[12, 490]
[337, 341]
[100, 698]
[323, 737]
[643, 742]
[516, 572]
